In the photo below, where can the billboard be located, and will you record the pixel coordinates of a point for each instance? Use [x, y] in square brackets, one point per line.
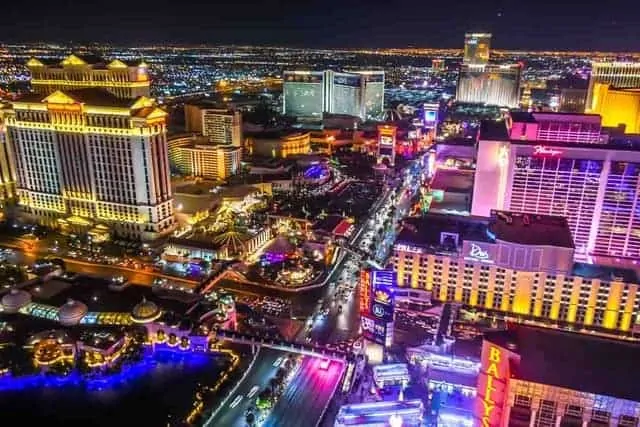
[377, 330]
[377, 321]
[382, 284]
[365, 291]
[431, 115]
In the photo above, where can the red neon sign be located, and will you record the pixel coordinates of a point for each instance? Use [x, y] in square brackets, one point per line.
[541, 150]
[491, 386]
[365, 291]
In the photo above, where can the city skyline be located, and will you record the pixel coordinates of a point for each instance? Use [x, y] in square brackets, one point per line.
[332, 25]
[234, 235]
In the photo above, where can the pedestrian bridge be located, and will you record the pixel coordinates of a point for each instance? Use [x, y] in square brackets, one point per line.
[305, 349]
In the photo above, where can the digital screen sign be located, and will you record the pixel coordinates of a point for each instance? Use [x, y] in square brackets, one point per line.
[382, 284]
[377, 330]
[384, 281]
[382, 311]
[386, 140]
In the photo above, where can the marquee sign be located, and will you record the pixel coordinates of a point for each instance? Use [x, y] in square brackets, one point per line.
[401, 247]
[478, 254]
[541, 150]
[365, 291]
[491, 386]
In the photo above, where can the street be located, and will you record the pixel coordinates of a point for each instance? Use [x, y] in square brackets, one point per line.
[233, 413]
[342, 320]
[305, 399]
[137, 276]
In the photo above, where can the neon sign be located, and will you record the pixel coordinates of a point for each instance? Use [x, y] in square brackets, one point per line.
[407, 248]
[378, 310]
[541, 150]
[382, 296]
[365, 291]
[386, 140]
[477, 252]
[491, 387]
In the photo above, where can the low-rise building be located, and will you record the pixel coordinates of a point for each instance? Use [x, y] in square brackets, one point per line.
[279, 144]
[195, 156]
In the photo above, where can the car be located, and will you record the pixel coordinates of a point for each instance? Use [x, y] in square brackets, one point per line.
[324, 364]
[253, 391]
[236, 401]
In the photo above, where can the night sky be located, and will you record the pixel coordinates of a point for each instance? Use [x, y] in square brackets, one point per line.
[527, 24]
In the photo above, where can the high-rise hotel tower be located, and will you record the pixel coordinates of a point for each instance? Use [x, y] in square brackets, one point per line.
[89, 148]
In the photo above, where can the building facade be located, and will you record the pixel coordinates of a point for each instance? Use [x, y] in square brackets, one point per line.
[279, 146]
[89, 155]
[513, 276]
[123, 80]
[7, 167]
[541, 377]
[309, 94]
[193, 157]
[594, 185]
[220, 125]
[555, 127]
[477, 47]
[618, 107]
[621, 75]
[489, 84]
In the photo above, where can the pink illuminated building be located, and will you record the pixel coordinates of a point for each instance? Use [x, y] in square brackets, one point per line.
[557, 164]
[563, 127]
[540, 377]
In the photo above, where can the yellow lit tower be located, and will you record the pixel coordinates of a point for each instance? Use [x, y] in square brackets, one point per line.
[90, 149]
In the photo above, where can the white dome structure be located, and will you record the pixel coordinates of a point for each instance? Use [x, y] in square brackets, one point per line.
[15, 300]
[72, 312]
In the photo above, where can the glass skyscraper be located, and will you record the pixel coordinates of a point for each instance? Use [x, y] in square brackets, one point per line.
[309, 94]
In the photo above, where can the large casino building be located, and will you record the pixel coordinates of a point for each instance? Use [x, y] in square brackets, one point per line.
[561, 164]
[542, 377]
[518, 266]
[554, 232]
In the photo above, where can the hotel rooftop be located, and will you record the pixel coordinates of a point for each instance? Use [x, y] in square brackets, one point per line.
[575, 361]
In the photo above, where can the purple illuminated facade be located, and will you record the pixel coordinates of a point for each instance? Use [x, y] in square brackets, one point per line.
[594, 185]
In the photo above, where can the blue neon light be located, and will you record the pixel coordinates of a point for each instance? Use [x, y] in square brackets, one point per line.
[129, 373]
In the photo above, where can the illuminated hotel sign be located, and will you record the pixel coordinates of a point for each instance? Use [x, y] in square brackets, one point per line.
[476, 253]
[491, 386]
[382, 284]
[386, 140]
[408, 248]
[541, 150]
[74, 108]
[365, 291]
